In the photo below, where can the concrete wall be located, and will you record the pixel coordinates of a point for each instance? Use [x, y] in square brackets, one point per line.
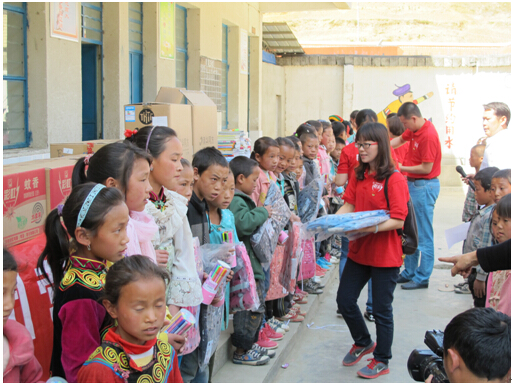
[273, 116]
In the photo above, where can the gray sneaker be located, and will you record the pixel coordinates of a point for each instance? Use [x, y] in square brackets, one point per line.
[464, 289]
[357, 352]
[250, 357]
[374, 369]
[263, 351]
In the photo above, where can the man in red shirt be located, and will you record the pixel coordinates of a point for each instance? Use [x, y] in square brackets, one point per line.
[422, 166]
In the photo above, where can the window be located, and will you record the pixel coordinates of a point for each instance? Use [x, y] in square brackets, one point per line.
[135, 37]
[15, 128]
[181, 47]
[225, 69]
[91, 23]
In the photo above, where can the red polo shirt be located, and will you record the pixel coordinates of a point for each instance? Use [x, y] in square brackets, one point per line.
[383, 249]
[424, 147]
[349, 159]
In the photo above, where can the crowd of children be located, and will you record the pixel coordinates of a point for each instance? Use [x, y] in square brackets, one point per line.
[120, 251]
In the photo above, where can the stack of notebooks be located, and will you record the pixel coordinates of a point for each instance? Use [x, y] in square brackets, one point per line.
[233, 143]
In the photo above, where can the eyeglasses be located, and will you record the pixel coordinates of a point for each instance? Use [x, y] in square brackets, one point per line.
[366, 146]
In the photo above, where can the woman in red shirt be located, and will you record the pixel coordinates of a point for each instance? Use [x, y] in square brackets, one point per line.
[377, 255]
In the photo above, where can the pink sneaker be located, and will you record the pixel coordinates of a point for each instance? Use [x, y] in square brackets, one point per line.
[327, 257]
[301, 292]
[271, 333]
[265, 342]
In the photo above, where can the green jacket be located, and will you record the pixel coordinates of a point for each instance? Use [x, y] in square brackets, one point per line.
[248, 218]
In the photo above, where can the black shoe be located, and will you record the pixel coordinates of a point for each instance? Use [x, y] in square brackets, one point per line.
[369, 316]
[413, 286]
[401, 279]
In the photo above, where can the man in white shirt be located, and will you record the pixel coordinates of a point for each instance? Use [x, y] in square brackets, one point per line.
[497, 148]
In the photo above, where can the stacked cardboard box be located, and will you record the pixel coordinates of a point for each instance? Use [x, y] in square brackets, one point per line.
[77, 148]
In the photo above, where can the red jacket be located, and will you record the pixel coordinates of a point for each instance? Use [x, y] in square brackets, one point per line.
[23, 365]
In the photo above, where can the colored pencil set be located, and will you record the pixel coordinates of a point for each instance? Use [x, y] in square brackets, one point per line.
[181, 322]
[215, 278]
[227, 237]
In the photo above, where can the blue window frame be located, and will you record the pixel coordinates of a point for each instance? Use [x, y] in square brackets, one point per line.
[225, 69]
[181, 46]
[15, 106]
[135, 38]
[91, 23]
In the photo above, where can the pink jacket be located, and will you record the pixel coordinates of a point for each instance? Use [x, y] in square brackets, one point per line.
[23, 365]
[262, 185]
[141, 230]
[504, 305]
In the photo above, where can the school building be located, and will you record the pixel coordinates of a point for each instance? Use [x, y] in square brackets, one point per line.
[70, 68]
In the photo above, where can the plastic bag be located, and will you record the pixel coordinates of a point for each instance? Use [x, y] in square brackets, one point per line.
[210, 318]
[328, 225]
[264, 240]
[307, 259]
[276, 289]
[288, 275]
[308, 201]
[244, 295]
[193, 335]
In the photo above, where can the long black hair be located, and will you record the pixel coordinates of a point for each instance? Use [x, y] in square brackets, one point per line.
[262, 145]
[115, 160]
[366, 115]
[9, 261]
[58, 243]
[376, 132]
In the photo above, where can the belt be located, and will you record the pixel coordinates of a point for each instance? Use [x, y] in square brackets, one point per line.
[409, 179]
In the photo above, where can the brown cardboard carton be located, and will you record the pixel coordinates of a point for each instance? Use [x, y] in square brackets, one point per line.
[77, 148]
[174, 115]
[204, 114]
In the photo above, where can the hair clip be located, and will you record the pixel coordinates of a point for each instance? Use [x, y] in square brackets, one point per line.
[129, 133]
[149, 136]
[59, 209]
[87, 158]
[87, 203]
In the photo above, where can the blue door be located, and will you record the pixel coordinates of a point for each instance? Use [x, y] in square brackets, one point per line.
[89, 92]
[135, 78]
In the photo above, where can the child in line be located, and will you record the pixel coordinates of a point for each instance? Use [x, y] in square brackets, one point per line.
[126, 167]
[310, 150]
[173, 240]
[184, 185]
[20, 364]
[337, 202]
[339, 130]
[479, 234]
[499, 281]
[210, 175]
[500, 184]
[134, 296]
[81, 236]
[323, 154]
[266, 153]
[476, 157]
[300, 173]
[248, 217]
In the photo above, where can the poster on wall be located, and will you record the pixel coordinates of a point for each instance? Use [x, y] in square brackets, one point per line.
[244, 52]
[166, 30]
[64, 21]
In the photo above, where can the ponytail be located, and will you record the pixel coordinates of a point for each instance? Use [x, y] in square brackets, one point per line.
[56, 250]
[79, 176]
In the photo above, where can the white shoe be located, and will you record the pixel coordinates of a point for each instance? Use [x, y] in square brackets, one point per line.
[316, 279]
[334, 260]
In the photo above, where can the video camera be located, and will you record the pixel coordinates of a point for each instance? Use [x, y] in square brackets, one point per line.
[424, 362]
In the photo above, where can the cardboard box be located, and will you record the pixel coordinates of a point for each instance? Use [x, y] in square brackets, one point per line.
[170, 114]
[77, 148]
[204, 114]
[31, 190]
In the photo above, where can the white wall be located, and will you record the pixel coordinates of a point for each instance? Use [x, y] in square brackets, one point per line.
[273, 91]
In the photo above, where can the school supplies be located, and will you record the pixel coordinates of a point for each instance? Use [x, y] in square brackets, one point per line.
[181, 323]
[243, 292]
[215, 279]
[227, 237]
[310, 199]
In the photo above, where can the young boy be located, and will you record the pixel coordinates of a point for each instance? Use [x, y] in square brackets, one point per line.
[500, 184]
[339, 130]
[248, 218]
[475, 160]
[335, 154]
[210, 174]
[395, 129]
[184, 185]
[310, 151]
[479, 234]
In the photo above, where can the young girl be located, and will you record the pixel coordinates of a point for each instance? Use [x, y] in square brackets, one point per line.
[81, 236]
[184, 185]
[126, 167]
[169, 209]
[377, 255]
[266, 153]
[499, 281]
[285, 182]
[134, 297]
[20, 364]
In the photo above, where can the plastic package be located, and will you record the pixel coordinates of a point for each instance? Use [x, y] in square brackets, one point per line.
[264, 240]
[276, 289]
[216, 280]
[193, 335]
[340, 224]
[288, 274]
[244, 295]
[308, 201]
[181, 323]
